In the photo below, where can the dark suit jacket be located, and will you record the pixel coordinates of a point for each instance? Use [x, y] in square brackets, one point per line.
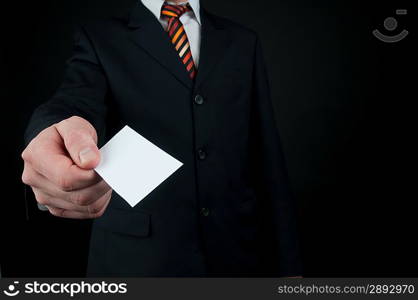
[228, 210]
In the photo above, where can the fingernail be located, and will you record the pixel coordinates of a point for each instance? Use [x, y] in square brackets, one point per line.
[86, 155]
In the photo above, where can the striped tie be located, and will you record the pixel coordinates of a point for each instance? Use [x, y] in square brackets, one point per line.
[178, 35]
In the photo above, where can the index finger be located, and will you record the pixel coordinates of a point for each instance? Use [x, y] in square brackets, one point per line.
[66, 175]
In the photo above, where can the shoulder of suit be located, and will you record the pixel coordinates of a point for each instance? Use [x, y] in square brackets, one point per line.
[105, 25]
[114, 24]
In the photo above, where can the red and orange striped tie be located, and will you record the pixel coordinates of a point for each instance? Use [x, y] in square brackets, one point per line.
[178, 35]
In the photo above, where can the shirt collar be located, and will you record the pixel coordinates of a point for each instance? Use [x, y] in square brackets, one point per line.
[155, 7]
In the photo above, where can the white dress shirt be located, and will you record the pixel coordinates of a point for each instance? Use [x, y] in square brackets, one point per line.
[190, 20]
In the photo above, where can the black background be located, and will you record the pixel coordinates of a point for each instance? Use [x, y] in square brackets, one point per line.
[343, 101]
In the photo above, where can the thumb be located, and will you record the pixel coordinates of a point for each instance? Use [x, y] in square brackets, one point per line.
[80, 140]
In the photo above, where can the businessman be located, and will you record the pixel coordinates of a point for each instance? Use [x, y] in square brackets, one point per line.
[195, 85]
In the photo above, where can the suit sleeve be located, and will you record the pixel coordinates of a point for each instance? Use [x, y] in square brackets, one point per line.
[278, 214]
[82, 92]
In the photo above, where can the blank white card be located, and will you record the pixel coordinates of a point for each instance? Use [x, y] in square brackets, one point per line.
[133, 166]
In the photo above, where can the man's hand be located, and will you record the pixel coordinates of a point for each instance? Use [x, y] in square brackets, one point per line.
[59, 165]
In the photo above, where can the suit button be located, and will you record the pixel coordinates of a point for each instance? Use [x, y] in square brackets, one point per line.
[201, 154]
[199, 100]
[205, 211]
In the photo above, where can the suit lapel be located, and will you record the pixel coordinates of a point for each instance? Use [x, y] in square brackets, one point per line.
[147, 33]
[214, 43]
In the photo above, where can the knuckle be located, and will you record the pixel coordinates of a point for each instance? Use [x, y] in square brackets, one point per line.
[52, 211]
[55, 212]
[95, 208]
[65, 183]
[97, 214]
[26, 178]
[58, 212]
[25, 154]
[73, 138]
[74, 119]
[41, 199]
[80, 199]
[89, 129]
[82, 121]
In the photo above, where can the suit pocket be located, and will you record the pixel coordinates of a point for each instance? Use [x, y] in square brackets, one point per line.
[128, 222]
